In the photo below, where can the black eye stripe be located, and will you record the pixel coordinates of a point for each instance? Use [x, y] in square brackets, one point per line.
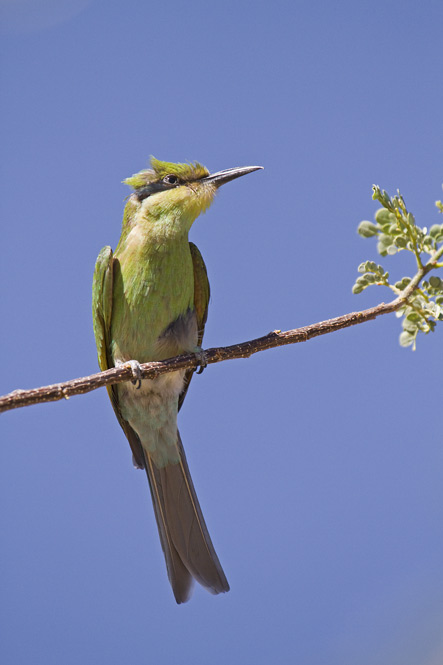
[155, 187]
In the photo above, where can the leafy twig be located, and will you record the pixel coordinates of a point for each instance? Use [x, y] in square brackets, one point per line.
[396, 230]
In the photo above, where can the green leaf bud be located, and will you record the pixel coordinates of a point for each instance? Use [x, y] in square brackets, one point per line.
[406, 339]
[385, 239]
[401, 242]
[383, 244]
[362, 281]
[410, 326]
[356, 289]
[383, 216]
[435, 229]
[367, 229]
[399, 285]
[402, 284]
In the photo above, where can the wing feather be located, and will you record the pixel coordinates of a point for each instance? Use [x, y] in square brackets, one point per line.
[201, 303]
[102, 298]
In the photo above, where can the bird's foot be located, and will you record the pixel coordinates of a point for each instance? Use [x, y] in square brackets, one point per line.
[202, 361]
[136, 373]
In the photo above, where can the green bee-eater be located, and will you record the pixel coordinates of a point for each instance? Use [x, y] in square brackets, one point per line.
[150, 302]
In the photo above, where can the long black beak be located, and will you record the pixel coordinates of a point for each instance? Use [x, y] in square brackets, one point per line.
[221, 177]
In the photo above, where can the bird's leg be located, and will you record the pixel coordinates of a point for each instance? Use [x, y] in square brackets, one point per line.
[201, 357]
[136, 373]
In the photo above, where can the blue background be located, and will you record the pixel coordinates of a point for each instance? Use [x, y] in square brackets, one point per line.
[319, 466]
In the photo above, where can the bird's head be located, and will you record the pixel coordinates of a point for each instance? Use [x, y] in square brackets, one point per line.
[179, 190]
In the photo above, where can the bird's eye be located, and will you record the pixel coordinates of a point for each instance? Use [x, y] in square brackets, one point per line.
[170, 179]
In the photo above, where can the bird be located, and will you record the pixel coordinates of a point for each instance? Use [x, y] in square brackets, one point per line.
[150, 302]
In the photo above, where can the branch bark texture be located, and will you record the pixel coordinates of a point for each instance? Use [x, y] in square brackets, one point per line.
[86, 384]
[151, 370]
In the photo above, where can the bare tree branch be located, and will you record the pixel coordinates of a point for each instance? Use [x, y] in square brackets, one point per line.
[151, 370]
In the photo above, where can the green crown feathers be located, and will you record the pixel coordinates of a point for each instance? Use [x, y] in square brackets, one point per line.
[187, 172]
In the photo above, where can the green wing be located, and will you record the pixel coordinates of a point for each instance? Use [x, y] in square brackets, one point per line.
[102, 306]
[102, 290]
[201, 302]
[201, 290]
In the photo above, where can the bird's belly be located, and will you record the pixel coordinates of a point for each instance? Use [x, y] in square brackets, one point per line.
[166, 387]
[151, 410]
[139, 342]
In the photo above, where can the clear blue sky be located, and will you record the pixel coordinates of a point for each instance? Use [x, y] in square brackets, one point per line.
[319, 466]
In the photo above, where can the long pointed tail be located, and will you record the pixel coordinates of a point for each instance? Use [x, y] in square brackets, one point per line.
[185, 539]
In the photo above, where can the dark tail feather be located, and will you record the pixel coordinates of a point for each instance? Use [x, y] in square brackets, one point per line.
[185, 540]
